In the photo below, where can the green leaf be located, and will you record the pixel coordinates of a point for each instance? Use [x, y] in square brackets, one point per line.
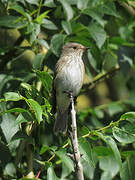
[88, 169]
[15, 110]
[127, 153]
[19, 136]
[106, 175]
[23, 117]
[97, 33]
[43, 43]
[22, 136]
[56, 42]
[92, 61]
[8, 126]
[50, 172]
[110, 165]
[38, 60]
[95, 15]
[36, 108]
[46, 79]
[35, 2]
[67, 27]
[68, 163]
[33, 29]
[128, 115]
[12, 96]
[86, 151]
[109, 8]
[12, 22]
[123, 136]
[82, 4]
[114, 108]
[68, 9]
[44, 149]
[10, 169]
[49, 3]
[49, 24]
[109, 61]
[102, 151]
[128, 169]
[110, 141]
[40, 18]
[18, 8]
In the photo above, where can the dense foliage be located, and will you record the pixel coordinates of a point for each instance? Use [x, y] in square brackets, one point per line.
[32, 33]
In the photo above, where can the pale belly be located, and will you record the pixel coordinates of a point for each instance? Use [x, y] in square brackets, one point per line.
[69, 80]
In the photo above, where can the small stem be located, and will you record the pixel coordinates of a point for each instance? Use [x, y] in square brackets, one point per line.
[40, 4]
[52, 157]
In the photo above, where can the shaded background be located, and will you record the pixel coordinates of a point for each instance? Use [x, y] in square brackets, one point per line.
[32, 33]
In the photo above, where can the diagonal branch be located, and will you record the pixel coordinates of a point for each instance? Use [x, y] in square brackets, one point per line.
[100, 78]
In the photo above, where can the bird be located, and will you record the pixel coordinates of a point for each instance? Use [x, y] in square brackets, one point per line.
[68, 78]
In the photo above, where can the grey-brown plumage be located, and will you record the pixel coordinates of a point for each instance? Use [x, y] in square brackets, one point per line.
[69, 74]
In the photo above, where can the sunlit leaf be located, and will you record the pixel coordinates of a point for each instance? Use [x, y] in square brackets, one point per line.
[95, 15]
[68, 163]
[97, 33]
[40, 18]
[56, 42]
[50, 172]
[49, 24]
[49, 3]
[38, 60]
[12, 22]
[111, 143]
[68, 9]
[36, 2]
[128, 115]
[109, 8]
[36, 108]
[128, 169]
[110, 165]
[12, 96]
[85, 150]
[46, 79]
[123, 136]
[67, 27]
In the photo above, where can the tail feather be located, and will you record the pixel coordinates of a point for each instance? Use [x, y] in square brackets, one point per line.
[61, 122]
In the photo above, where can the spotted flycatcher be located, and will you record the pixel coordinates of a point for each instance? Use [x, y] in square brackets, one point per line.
[68, 78]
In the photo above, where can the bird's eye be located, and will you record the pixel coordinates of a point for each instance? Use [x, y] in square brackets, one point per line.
[74, 47]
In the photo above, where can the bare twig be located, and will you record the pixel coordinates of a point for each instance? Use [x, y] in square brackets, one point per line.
[74, 139]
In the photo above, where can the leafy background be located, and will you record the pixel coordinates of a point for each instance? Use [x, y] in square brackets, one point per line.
[32, 33]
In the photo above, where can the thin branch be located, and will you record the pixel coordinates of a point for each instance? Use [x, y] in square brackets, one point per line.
[129, 8]
[74, 139]
[90, 133]
[101, 77]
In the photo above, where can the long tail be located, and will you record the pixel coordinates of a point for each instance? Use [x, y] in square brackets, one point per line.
[61, 122]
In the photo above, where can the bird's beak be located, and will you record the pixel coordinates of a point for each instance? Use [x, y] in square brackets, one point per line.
[86, 48]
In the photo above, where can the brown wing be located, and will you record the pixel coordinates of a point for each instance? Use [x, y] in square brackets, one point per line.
[59, 65]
